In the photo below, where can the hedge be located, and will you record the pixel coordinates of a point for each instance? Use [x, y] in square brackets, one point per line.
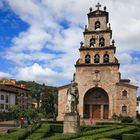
[82, 134]
[91, 127]
[137, 135]
[56, 128]
[52, 122]
[117, 133]
[20, 134]
[106, 139]
[46, 130]
[129, 137]
[43, 131]
[106, 123]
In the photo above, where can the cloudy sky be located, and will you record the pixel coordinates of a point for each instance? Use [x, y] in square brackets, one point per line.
[39, 39]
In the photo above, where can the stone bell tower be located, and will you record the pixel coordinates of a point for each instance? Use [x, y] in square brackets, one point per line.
[102, 92]
[96, 49]
[97, 69]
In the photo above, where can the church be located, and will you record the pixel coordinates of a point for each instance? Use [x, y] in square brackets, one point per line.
[102, 92]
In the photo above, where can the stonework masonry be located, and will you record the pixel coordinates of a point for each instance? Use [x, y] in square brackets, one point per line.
[97, 74]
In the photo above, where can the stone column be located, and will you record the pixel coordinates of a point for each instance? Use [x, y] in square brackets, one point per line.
[90, 110]
[102, 111]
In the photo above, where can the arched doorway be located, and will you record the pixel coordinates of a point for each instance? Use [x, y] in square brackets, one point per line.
[96, 104]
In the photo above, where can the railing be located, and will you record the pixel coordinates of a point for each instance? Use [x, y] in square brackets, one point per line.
[5, 116]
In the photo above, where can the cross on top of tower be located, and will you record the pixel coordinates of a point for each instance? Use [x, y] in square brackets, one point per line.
[98, 6]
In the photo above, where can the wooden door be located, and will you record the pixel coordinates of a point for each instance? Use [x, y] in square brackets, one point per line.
[106, 111]
[96, 109]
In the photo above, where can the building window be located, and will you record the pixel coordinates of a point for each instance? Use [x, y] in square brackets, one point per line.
[6, 107]
[124, 109]
[87, 59]
[2, 97]
[97, 58]
[97, 25]
[137, 103]
[1, 106]
[7, 99]
[102, 42]
[106, 58]
[124, 93]
[92, 42]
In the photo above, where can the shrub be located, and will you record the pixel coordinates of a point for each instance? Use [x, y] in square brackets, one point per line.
[115, 117]
[127, 119]
[19, 134]
[12, 130]
[106, 123]
[137, 135]
[52, 122]
[40, 133]
[56, 128]
[82, 135]
[106, 139]
[90, 127]
[129, 137]
[116, 134]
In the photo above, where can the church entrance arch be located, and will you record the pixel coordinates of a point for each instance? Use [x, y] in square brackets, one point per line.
[96, 104]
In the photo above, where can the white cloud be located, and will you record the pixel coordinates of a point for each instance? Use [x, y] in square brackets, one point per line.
[125, 58]
[32, 40]
[4, 75]
[39, 74]
[23, 59]
[45, 32]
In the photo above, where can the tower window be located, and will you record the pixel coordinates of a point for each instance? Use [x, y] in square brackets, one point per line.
[124, 93]
[97, 25]
[92, 42]
[102, 42]
[106, 58]
[97, 58]
[87, 59]
[124, 109]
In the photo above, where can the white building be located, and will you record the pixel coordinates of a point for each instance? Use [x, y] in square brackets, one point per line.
[12, 93]
[138, 105]
[7, 99]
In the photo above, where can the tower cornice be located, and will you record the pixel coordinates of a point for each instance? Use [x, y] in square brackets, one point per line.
[98, 13]
[104, 48]
[98, 65]
[98, 32]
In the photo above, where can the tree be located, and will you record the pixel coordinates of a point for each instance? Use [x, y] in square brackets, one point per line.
[18, 112]
[49, 104]
[30, 113]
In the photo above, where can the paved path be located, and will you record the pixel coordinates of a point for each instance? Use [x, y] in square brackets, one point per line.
[5, 125]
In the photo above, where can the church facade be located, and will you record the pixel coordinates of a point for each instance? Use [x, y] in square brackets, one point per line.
[102, 92]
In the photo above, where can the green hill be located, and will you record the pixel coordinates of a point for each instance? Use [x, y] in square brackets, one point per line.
[37, 88]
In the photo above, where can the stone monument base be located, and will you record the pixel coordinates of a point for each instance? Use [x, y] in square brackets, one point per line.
[71, 123]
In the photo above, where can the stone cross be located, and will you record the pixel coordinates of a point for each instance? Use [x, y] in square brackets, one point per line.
[98, 6]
